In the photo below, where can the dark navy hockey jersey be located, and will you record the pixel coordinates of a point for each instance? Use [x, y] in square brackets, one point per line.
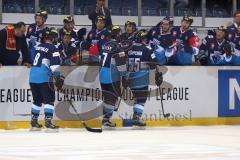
[231, 32]
[34, 33]
[213, 49]
[67, 53]
[126, 36]
[96, 37]
[73, 35]
[185, 40]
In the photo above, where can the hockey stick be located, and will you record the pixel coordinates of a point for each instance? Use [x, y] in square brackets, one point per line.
[75, 110]
[119, 102]
[165, 115]
[95, 130]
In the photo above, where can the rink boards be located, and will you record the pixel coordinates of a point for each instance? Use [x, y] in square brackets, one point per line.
[193, 95]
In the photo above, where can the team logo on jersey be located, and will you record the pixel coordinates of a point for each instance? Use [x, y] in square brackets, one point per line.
[229, 93]
[30, 29]
[212, 45]
[230, 36]
[90, 36]
[153, 33]
[174, 33]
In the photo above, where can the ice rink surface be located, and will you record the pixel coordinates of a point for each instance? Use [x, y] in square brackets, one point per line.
[170, 143]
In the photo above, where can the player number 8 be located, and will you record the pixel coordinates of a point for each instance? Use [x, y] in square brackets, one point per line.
[36, 59]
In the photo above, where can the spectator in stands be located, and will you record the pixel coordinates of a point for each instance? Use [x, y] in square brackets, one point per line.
[13, 46]
[100, 10]
[181, 3]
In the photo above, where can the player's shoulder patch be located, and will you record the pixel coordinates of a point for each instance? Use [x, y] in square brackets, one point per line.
[204, 41]
[73, 45]
[110, 47]
[90, 35]
[30, 29]
[102, 36]
[56, 54]
[210, 36]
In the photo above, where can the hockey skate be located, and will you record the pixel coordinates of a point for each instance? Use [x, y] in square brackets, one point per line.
[50, 127]
[137, 122]
[35, 126]
[108, 124]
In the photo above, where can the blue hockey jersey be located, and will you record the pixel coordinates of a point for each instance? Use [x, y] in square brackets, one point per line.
[139, 58]
[46, 60]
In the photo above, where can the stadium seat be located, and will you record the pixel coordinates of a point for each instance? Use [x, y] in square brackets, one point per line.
[198, 13]
[129, 11]
[149, 12]
[163, 12]
[115, 11]
[183, 11]
[209, 13]
[78, 11]
[79, 7]
[87, 9]
[219, 12]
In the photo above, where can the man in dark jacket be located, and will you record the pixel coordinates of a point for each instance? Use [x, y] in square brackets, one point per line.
[13, 46]
[100, 10]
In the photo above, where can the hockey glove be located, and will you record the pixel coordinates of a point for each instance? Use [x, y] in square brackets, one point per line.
[59, 80]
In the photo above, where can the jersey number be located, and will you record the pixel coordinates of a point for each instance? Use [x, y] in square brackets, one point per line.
[134, 64]
[104, 58]
[35, 62]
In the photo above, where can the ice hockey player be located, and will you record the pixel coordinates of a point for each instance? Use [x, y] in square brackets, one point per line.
[212, 48]
[232, 30]
[113, 67]
[96, 39]
[229, 59]
[46, 63]
[161, 40]
[69, 26]
[236, 42]
[187, 43]
[140, 60]
[68, 50]
[35, 31]
[130, 31]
